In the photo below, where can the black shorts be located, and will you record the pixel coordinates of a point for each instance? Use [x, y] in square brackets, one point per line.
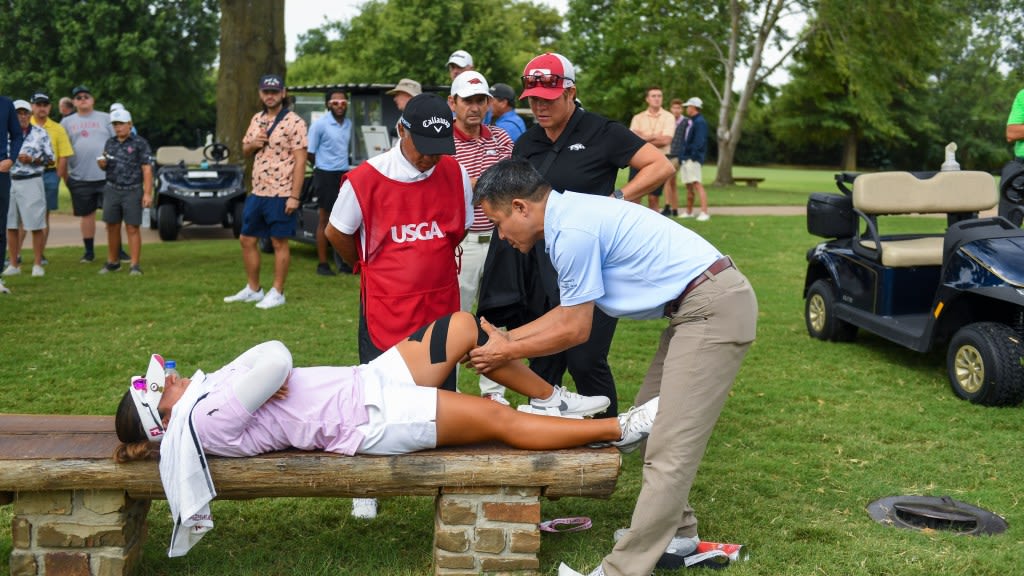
[86, 196]
[327, 184]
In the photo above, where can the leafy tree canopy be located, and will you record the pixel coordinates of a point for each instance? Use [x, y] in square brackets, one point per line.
[390, 40]
[154, 56]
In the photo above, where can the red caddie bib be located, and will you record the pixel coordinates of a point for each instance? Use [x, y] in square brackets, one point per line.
[408, 272]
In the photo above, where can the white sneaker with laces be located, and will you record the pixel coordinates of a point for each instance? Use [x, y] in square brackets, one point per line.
[572, 404]
[12, 270]
[496, 397]
[704, 217]
[636, 425]
[38, 270]
[365, 508]
[686, 214]
[273, 299]
[4, 289]
[246, 295]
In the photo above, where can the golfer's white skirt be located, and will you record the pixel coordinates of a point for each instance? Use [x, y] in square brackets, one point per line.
[402, 414]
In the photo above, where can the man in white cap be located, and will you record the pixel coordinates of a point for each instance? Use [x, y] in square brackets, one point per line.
[459, 62]
[128, 161]
[27, 207]
[695, 145]
[477, 148]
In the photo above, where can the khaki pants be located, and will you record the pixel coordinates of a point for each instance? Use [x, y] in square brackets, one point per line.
[693, 370]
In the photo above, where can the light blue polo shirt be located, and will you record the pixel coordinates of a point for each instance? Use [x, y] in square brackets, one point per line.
[330, 142]
[627, 259]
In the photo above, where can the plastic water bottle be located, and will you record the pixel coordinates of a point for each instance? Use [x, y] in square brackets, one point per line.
[170, 368]
[950, 164]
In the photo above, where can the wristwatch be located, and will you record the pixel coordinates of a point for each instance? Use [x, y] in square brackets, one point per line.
[618, 194]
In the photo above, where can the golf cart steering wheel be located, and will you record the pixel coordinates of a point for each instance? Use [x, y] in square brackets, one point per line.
[215, 152]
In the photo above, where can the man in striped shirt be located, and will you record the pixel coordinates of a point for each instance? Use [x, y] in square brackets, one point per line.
[477, 148]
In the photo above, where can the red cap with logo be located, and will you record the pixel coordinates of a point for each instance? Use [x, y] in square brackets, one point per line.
[547, 76]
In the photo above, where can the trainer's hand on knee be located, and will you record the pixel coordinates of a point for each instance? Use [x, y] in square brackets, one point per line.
[492, 354]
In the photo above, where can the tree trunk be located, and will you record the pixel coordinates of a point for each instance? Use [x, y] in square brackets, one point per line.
[849, 163]
[730, 121]
[252, 43]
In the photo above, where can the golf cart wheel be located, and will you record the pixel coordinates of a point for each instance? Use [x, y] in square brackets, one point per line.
[984, 364]
[167, 222]
[236, 218]
[820, 315]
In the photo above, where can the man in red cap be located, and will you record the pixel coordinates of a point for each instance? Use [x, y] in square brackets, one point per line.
[575, 150]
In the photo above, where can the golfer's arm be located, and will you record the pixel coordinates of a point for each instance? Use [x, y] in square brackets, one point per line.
[560, 329]
[652, 170]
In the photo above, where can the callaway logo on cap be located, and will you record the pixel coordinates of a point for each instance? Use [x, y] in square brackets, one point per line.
[428, 119]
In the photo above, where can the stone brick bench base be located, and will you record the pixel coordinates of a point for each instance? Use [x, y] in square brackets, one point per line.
[76, 512]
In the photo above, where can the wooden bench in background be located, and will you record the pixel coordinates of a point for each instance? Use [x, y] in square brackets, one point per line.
[76, 511]
[751, 182]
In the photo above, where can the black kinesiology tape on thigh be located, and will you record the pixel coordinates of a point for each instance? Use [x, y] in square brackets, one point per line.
[438, 338]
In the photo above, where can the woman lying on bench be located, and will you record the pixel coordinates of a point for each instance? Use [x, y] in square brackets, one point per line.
[258, 403]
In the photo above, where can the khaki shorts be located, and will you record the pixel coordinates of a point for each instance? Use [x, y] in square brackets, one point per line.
[690, 172]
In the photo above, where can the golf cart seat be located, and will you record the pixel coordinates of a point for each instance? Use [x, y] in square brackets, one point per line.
[170, 155]
[958, 193]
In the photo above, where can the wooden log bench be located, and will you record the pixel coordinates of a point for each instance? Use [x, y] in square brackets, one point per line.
[76, 511]
[749, 181]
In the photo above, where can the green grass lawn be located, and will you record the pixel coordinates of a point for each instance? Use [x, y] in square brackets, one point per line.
[812, 433]
[781, 187]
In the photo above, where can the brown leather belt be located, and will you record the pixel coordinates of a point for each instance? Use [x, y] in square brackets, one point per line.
[716, 268]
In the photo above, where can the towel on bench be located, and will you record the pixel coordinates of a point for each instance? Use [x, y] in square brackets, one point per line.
[185, 474]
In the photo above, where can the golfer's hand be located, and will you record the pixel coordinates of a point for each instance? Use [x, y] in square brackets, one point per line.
[492, 354]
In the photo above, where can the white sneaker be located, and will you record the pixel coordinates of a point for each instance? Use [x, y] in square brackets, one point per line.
[496, 397]
[704, 217]
[564, 570]
[246, 295]
[38, 270]
[273, 299]
[549, 411]
[675, 553]
[12, 270]
[572, 404]
[686, 214]
[4, 289]
[636, 425]
[365, 508]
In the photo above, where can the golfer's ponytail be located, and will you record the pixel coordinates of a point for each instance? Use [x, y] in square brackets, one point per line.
[134, 444]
